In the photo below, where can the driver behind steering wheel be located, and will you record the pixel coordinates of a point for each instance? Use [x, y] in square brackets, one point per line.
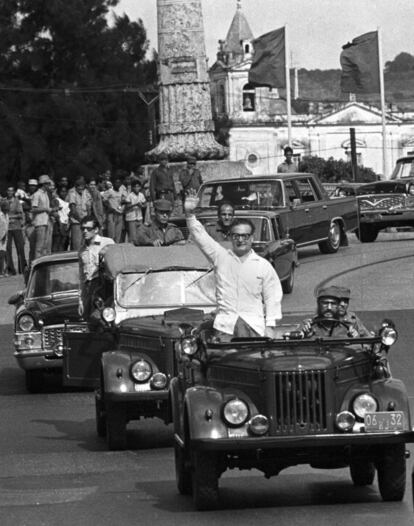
[328, 321]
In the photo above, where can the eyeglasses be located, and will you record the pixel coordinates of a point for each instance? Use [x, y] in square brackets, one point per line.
[227, 215]
[164, 212]
[242, 237]
[88, 228]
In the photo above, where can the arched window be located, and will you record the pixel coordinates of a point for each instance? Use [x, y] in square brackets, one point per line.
[249, 98]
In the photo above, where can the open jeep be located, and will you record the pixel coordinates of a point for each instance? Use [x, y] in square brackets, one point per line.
[270, 404]
[144, 296]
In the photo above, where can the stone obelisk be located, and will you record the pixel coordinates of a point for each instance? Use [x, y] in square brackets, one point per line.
[186, 126]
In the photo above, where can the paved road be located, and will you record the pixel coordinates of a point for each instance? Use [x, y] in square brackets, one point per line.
[54, 471]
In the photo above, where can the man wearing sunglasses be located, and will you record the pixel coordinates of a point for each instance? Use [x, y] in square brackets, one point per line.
[92, 249]
[160, 233]
[248, 290]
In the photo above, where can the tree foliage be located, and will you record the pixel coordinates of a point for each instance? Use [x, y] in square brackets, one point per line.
[403, 62]
[68, 88]
[332, 170]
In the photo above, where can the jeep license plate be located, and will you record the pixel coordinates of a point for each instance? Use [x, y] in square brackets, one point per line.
[384, 421]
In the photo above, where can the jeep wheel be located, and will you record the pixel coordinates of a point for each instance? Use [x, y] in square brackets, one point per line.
[332, 243]
[287, 284]
[391, 469]
[182, 470]
[100, 415]
[34, 380]
[116, 433]
[205, 481]
[362, 472]
[367, 233]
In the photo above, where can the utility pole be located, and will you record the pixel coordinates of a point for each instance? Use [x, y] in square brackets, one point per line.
[354, 161]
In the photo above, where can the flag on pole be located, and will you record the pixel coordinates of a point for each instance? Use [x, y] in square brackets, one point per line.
[360, 65]
[268, 65]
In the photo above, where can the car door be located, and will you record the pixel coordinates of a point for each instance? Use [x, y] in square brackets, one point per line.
[82, 357]
[297, 220]
[315, 207]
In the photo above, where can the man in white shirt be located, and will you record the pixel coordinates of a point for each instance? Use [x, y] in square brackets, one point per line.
[248, 290]
[93, 248]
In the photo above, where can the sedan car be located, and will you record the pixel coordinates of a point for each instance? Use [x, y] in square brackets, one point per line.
[43, 310]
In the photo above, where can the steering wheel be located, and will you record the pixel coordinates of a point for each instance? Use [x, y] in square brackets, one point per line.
[331, 321]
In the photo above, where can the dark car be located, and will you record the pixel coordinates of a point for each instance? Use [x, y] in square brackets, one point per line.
[146, 294]
[47, 306]
[270, 242]
[385, 204]
[271, 404]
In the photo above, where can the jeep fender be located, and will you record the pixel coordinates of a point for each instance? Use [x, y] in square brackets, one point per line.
[197, 401]
[388, 391]
[115, 370]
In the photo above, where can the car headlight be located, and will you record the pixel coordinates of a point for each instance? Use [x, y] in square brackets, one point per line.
[108, 314]
[259, 425]
[235, 412]
[189, 346]
[345, 421]
[364, 403]
[159, 381]
[389, 336]
[26, 322]
[141, 371]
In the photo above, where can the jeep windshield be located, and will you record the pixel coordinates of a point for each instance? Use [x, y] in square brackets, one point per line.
[54, 278]
[258, 193]
[166, 288]
[404, 168]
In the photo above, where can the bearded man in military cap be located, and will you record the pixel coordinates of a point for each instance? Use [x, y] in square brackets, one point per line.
[328, 321]
[160, 232]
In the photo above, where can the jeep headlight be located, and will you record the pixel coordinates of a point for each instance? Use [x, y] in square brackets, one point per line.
[141, 371]
[235, 412]
[189, 346]
[26, 322]
[108, 314]
[364, 403]
[388, 336]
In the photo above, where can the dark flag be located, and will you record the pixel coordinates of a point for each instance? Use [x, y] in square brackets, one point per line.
[360, 65]
[268, 65]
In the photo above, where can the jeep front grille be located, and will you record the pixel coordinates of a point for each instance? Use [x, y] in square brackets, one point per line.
[379, 202]
[300, 406]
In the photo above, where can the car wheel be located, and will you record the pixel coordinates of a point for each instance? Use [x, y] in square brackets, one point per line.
[287, 284]
[391, 469]
[367, 233]
[116, 433]
[100, 415]
[331, 245]
[182, 470]
[362, 473]
[34, 380]
[205, 480]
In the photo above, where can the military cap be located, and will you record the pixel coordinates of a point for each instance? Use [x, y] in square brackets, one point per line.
[330, 292]
[44, 179]
[163, 156]
[163, 205]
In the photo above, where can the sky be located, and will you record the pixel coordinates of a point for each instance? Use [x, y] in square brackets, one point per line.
[317, 28]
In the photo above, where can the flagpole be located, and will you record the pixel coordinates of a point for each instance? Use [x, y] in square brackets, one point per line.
[383, 114]
[288, 95]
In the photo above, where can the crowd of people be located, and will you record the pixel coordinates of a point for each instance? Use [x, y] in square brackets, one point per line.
[46, 214]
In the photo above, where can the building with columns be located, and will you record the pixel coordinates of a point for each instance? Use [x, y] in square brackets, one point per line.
[254, 121]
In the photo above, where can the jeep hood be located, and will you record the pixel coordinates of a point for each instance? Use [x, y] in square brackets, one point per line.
[300, 359]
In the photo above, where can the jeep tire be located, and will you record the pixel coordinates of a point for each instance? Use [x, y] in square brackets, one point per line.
[362, 472]
[205, 480]
[34, 380]
[116, 433]
[391, 467]
[182, 470]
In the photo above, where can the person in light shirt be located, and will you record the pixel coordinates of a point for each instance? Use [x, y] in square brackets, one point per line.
[92, 249]
[248, 289]
[134, 202]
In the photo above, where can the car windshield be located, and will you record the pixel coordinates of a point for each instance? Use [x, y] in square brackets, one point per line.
[404, 168]
[255, 194]
[52, 278]
[192, 288]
